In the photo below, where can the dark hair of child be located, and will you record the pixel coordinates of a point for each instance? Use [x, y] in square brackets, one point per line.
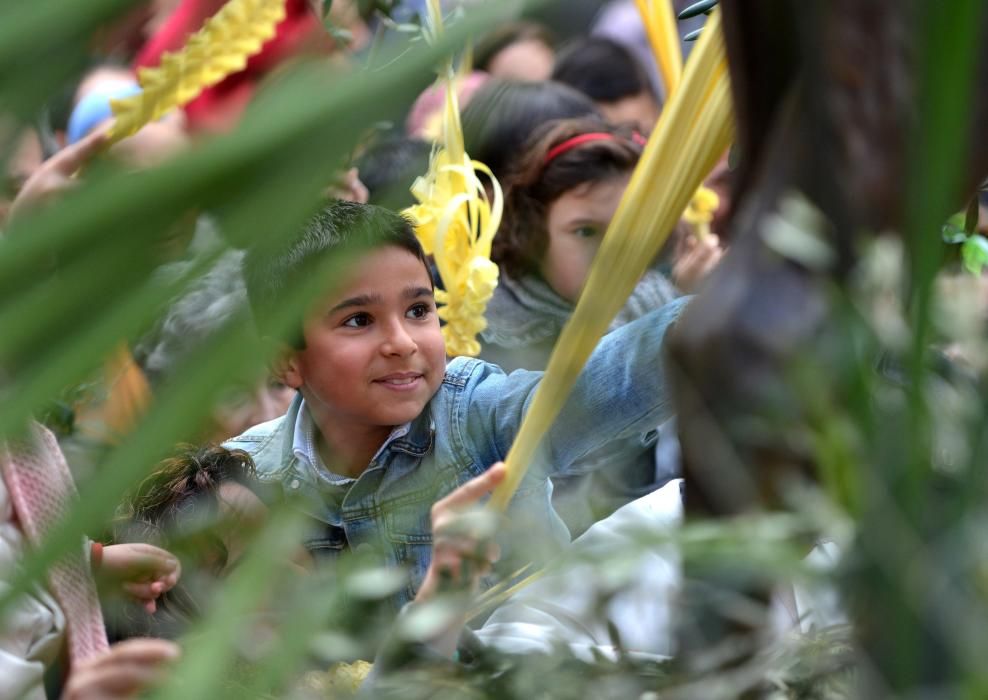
[274, 273]
[602, 69]
[503, 115]
[186, 483]
[555, 163]
[496, 41]
[177, 506]
[389, 167]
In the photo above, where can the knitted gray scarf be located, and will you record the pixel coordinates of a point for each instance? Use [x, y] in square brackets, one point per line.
[527, 311]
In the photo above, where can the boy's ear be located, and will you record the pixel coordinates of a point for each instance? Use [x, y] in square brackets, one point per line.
[285, 366]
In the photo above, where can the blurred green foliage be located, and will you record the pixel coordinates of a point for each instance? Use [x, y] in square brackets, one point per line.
[78, 279]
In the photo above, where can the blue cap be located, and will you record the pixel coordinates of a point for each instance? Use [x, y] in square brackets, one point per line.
[94, 108]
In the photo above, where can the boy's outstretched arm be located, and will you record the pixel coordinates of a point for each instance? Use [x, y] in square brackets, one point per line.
[622, 391]
[55, 176]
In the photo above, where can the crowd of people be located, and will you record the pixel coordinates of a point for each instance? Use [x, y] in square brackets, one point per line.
[363, 421]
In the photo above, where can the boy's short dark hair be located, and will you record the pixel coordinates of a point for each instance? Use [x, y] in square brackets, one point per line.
[273, 274]
[602, 69]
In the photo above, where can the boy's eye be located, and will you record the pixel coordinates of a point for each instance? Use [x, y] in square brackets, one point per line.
[357, 320]
[586, 231]
[418, 311]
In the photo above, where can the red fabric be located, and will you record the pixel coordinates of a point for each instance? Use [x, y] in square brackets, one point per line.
[219, 107]
[41, 491]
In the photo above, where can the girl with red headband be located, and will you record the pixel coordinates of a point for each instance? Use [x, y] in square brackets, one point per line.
[560, 197]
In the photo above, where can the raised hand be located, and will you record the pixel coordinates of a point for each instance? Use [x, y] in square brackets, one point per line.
[124, 671]
[141, 571]
[55, 176]
[694, 260]
[462, 550]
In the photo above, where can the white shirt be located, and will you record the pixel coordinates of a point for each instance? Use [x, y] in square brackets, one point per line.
[304, 443]
[563, 607]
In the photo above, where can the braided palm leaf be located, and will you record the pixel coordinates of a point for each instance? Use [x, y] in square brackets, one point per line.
[221, 47]
[455, 220]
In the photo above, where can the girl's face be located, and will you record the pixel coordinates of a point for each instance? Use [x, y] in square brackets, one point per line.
[576, 224]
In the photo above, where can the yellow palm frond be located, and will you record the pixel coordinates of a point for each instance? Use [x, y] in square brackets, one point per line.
[434, 27]
[660, 26]
[221, 47]
[455, 221]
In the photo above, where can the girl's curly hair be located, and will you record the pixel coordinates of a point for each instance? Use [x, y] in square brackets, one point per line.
[177, 507]
[195, 475]
[535, 181]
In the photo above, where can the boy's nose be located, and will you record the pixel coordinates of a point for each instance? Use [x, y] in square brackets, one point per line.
[398, 341]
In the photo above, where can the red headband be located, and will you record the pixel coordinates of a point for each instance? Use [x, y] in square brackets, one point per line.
[571, 143]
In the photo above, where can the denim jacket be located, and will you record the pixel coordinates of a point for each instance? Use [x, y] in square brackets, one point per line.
[468, 425]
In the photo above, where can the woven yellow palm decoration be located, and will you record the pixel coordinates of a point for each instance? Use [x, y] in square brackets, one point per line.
[221, 47]
[455, 222]
[344, 679]
[694, 130]
[701, 210]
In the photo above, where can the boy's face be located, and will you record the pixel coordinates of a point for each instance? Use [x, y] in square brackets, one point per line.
[374, 355]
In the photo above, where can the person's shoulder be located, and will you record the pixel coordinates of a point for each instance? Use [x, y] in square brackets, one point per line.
[256, 435]
[467, 374]
[461, 370]
[264, 443]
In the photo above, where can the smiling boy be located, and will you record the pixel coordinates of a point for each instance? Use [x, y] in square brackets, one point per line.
[373, 358]
[383, 426]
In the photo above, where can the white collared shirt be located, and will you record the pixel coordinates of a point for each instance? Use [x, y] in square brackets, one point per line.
[304, 445]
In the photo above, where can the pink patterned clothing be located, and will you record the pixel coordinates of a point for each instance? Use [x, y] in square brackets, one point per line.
[35, 493]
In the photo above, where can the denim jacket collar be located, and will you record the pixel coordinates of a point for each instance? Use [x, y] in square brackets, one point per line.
[304, 442]
[416, 441]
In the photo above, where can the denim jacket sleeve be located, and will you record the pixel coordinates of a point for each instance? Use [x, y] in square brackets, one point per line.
[622, 391]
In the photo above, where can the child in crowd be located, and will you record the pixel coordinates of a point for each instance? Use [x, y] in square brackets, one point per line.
[383, 427]
[205, 306]
[609, 74]
[200, 505]
[560, 197]
[517, 51]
